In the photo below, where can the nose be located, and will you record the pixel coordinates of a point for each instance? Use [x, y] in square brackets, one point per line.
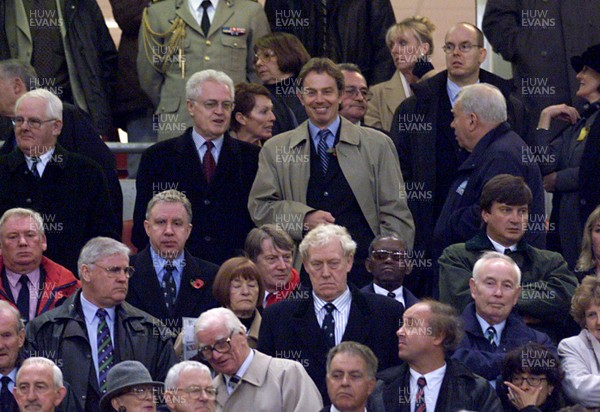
[401, 331]
[271, 116]
[22, 240]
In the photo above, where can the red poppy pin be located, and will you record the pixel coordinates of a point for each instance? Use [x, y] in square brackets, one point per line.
[197, 283]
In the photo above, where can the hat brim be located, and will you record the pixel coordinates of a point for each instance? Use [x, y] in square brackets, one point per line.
[105, 405]
[577, 63]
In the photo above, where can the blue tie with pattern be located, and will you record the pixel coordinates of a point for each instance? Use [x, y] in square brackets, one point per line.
[322, 148]
[106, 353]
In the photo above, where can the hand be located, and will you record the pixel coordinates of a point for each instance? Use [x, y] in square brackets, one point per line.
[521, 399]
[550, 182]
[558, 111]
[317, 217]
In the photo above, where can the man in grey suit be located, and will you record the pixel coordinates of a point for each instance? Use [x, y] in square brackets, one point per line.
[328, 170]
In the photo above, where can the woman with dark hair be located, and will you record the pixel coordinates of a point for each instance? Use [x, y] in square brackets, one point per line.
[531, 380]
[279, 57]
[589, 258]
[252, 117]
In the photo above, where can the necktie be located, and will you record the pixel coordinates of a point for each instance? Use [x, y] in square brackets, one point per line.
[23, 299]
[322, 149]
[329, 325]
[5, 396]
[491, 336]
[34, 170]
[205, 23]
[391, 295]
[507, 251]
[106, 354]
[169, 287]
[233, 381]
[420, 398]
[208, 162]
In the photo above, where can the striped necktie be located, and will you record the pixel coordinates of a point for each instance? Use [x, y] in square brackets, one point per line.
[106, 353]
[420, 398]
[322, 149]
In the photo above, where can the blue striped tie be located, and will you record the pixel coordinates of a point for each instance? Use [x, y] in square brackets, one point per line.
[322, 149]
[106, 353]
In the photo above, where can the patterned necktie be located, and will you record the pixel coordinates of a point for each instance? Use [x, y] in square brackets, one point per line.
[322, 149]
[208, 162]
[5, 396]
[507, 251]
[106, 353]
[34, 170]
[420, 398]
[329, 325]
[23, 299]
[169, 287]
[491, 336]
[391, 295]
[205, 23]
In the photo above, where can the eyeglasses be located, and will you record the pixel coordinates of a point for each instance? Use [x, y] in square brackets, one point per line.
[353, 91]
[115, 271]
[383, 254]
[532, 381]
[195, 391]
[463, 47]
[221, 346]
[142, 393]
[33, 123]
[226, 105]
[265, 56]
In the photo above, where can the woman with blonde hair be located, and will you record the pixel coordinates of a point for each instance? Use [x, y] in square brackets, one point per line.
[589, 258]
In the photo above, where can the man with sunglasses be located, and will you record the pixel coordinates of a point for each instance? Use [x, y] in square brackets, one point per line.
[95, 328]
[389, 263]
[248, 379]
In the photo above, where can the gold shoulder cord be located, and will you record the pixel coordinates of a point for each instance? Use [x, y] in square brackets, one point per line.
[174, 44]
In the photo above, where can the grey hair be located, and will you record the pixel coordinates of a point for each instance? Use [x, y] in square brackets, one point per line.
[487, 256]
[193, 87]
[58, 376]
[323, 234]
[35, 217]
[99, 247]
[54, 106]
[220, 316]
[485, 100]
[4, 305]
[356, 349]
[170, 196]
[172, 379]
[13, 68]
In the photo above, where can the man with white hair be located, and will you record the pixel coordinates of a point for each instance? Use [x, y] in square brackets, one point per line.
[189, 387]
[481, 129]
[248, 379]
[67, 189]
[39, 386]
[214, 171]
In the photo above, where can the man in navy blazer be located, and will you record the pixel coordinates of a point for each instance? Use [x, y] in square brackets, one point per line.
[389, 263]
[211, 168]
[169, 282]
[305, 329]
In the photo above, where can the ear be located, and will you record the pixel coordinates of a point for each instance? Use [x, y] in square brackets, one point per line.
[60, 395]
[371, 386]
[241, 119]
[472, 287]
[115, 403]
[425, 47]
[482, 54]
[85, 272]
[57, 127]
[44, 242]
[147, 227]
[485, 216]
[21, 338]
[300, 96]
[517, 295]
[369, 265]
[19, 87]
[189, 106]
[169, 400]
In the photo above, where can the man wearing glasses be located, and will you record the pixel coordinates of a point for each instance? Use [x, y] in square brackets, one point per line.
[329, 170]
[95, 328]
[189, 388]
[428, 150]
[214, 171]
[389, 263]
[68, 190]
[248, 379]
[356, 94]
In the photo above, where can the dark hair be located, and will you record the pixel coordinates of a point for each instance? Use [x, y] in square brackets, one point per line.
[377, 238]
[279, 237]
[505, 188]
[349, 67]
[245, 99]
[291, 53]
[322, 65]
[445, 321]
[586, 294]
[231, 269]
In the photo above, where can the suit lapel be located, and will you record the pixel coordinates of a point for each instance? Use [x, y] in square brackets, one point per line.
[188, 297]
[228, 164]
[394, 93]
[186, 15]
[308, 330]
[358, 328]
[190, 165]
[297, 175]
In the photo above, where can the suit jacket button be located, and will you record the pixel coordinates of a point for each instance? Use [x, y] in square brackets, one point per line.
[28, 200]
[208, 42]
[206, 202]
[325, 193]
[206, 58]
[207, 238]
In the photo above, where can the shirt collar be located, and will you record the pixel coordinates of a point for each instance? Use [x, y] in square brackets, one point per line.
[159, 262]
[199, 140]
[453, 89]
[340, 302]
[333, 128]
[499, 248]
[244, 367]
[381, 291]
[484, 325]
[13, 277]
[195, 4]
[44, 158]
[433, 378]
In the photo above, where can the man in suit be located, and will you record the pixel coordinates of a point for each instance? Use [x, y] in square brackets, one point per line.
[246, 378]
[328, 170]
[491, 327]
[272, 251]
[306, 328]
[547, 282]
[95, 329]
[351, 369]
[169, 282]
[355, 95]
[67, 189]
[481, 129]
[389, 262]
[177, 41]
[211, 168]
[31, 282]
[78, 134]
[39, 386]
[12, 338]
[428, 379]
